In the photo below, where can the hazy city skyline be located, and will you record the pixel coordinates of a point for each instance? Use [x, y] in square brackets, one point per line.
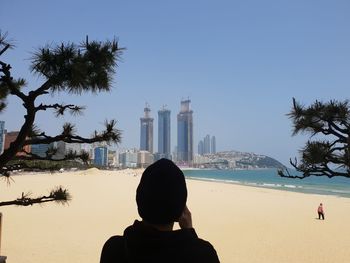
[240, 62]
[184, 144]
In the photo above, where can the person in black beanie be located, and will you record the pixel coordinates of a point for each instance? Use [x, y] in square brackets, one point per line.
[161, 201]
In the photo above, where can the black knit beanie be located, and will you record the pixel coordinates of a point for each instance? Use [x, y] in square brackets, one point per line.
[161, 195]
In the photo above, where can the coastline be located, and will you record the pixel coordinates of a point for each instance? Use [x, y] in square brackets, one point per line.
[269, 179]
[279, 226]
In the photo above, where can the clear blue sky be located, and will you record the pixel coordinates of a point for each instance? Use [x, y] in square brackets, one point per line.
[240, 62]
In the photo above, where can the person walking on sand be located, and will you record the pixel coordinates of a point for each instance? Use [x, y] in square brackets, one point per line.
[161, 201]
[320, 211]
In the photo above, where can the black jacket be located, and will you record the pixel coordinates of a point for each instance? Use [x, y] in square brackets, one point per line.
[142, 243]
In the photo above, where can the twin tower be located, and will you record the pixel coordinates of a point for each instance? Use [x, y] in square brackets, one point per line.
[184, 152]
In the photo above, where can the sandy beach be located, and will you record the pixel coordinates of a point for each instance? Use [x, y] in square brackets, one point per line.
[245, 224]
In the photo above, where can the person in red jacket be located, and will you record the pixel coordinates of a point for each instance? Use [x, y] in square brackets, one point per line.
[320, 211]
[161, 201]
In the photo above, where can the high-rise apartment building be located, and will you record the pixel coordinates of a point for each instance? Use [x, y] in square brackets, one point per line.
[185, 133]
[144, 159]
[164, 150]
[128, 159]
[201, 147]
[213, 145]
[101, 156]
[206, 144]
[146, 140]
[2, 136]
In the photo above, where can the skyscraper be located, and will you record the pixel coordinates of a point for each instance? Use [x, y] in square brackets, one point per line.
[213, 144]
[206, 145]
[185, 133]
[200, 147]
[164, 150]
[146, 141]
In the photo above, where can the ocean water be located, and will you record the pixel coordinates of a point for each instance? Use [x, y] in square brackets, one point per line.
[338, 186]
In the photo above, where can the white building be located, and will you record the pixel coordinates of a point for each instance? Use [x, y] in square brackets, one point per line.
[144, 159]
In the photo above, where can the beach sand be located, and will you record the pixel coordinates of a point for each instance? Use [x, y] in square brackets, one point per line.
[245, 224]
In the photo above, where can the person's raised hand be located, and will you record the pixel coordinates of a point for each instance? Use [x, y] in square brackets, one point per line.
[185, 220]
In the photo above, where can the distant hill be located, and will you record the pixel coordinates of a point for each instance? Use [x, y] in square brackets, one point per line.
[238, 160]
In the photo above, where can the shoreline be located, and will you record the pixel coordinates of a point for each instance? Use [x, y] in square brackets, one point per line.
[282, 188]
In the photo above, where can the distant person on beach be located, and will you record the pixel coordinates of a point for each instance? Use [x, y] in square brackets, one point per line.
[320, 212]
[161, 201]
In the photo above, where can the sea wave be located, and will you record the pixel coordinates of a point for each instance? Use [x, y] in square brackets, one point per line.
[290, 186]
[271, 185]
[270, 179]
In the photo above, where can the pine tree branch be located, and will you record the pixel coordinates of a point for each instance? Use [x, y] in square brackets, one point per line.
[43, 89]
[18, 144]
[338, 141]
[59, 195]
[337, 128]
[311, 170]
[334, 149]
[60, 108]
[331, 127]
[7, 46]
[8, 80]
[73, 139]
[110, 135]
[5, 42]
[328, 157]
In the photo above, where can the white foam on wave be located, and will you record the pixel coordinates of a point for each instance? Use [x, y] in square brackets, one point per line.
[213, 180]
[271, 185]
[290, 186]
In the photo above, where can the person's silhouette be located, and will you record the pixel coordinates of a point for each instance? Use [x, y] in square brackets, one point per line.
[161, 200]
